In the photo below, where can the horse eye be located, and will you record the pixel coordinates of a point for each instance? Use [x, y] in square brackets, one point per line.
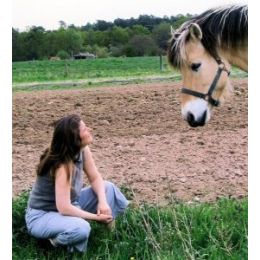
[195, 66]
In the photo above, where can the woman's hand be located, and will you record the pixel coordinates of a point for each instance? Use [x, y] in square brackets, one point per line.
[103, 208]
[104, 218]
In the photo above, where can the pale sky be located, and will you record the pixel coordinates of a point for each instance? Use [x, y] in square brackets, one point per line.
[48, 13]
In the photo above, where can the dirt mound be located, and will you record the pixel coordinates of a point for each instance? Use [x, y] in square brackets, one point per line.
[141, 141]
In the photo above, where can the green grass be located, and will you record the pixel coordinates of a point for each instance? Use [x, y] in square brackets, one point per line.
[177, 231]
[93, 83]
[40, 71]
[32, 75]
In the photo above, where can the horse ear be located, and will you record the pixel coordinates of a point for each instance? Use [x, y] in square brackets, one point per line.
[195, 31]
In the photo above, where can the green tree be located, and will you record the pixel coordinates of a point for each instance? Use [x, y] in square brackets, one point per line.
[119, 35]
[68, 40]
[51, 44]
[17, 46]
[101, 38]
[140, 29]
[33, 42]
[180, 20]
[161, 34]
[141, 45]
[74, 41]
[102, 25]
[63, 25]
[90, 37]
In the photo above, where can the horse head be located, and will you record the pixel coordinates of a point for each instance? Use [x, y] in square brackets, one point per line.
[205, 78]
[203, 49]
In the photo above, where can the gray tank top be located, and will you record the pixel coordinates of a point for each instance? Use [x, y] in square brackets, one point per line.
[42, 195]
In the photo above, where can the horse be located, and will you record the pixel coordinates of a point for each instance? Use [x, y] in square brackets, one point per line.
[204, 48]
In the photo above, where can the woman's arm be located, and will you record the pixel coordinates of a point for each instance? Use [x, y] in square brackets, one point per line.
[63, 202]
[96, 182]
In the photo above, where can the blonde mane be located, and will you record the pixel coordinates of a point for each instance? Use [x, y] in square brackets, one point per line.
[222, 28]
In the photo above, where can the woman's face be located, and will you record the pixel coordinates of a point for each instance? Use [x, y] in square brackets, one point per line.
[85, 135]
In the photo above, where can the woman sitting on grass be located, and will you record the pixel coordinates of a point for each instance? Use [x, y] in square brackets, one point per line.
[58, 208]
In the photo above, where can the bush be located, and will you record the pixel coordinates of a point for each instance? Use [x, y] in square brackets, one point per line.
[63, 55]
[101, 52]
[116, 51]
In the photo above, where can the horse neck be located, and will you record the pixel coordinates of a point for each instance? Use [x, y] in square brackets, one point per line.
[237, 58]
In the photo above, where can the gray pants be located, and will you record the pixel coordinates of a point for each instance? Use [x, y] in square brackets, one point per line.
[73, 231]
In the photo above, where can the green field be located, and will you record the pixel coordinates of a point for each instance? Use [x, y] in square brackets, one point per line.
[88, 69]
[177, 231]
[32, 75]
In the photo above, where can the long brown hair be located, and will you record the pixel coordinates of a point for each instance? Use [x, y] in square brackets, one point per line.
[64, 148]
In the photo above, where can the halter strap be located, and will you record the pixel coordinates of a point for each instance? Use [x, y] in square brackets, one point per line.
[208, 96]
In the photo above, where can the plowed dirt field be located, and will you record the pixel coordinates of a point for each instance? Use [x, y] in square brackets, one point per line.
[140, 140]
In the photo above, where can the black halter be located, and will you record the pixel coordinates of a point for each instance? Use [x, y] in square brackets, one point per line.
[208, 97]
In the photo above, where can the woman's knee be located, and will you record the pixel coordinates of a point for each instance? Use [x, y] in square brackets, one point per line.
[78, 231]
[83, 230]
[109, 186]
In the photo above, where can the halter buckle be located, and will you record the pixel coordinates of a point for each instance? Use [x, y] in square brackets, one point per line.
[222, 66]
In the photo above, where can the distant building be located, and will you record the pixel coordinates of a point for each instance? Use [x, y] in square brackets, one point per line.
[84, 55]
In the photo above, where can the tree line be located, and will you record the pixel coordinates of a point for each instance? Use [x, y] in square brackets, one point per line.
[143, 36]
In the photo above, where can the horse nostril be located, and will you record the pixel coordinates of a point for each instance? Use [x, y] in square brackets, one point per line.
[191, 120]
[203, 118]
[199, 122]
[190, 117]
